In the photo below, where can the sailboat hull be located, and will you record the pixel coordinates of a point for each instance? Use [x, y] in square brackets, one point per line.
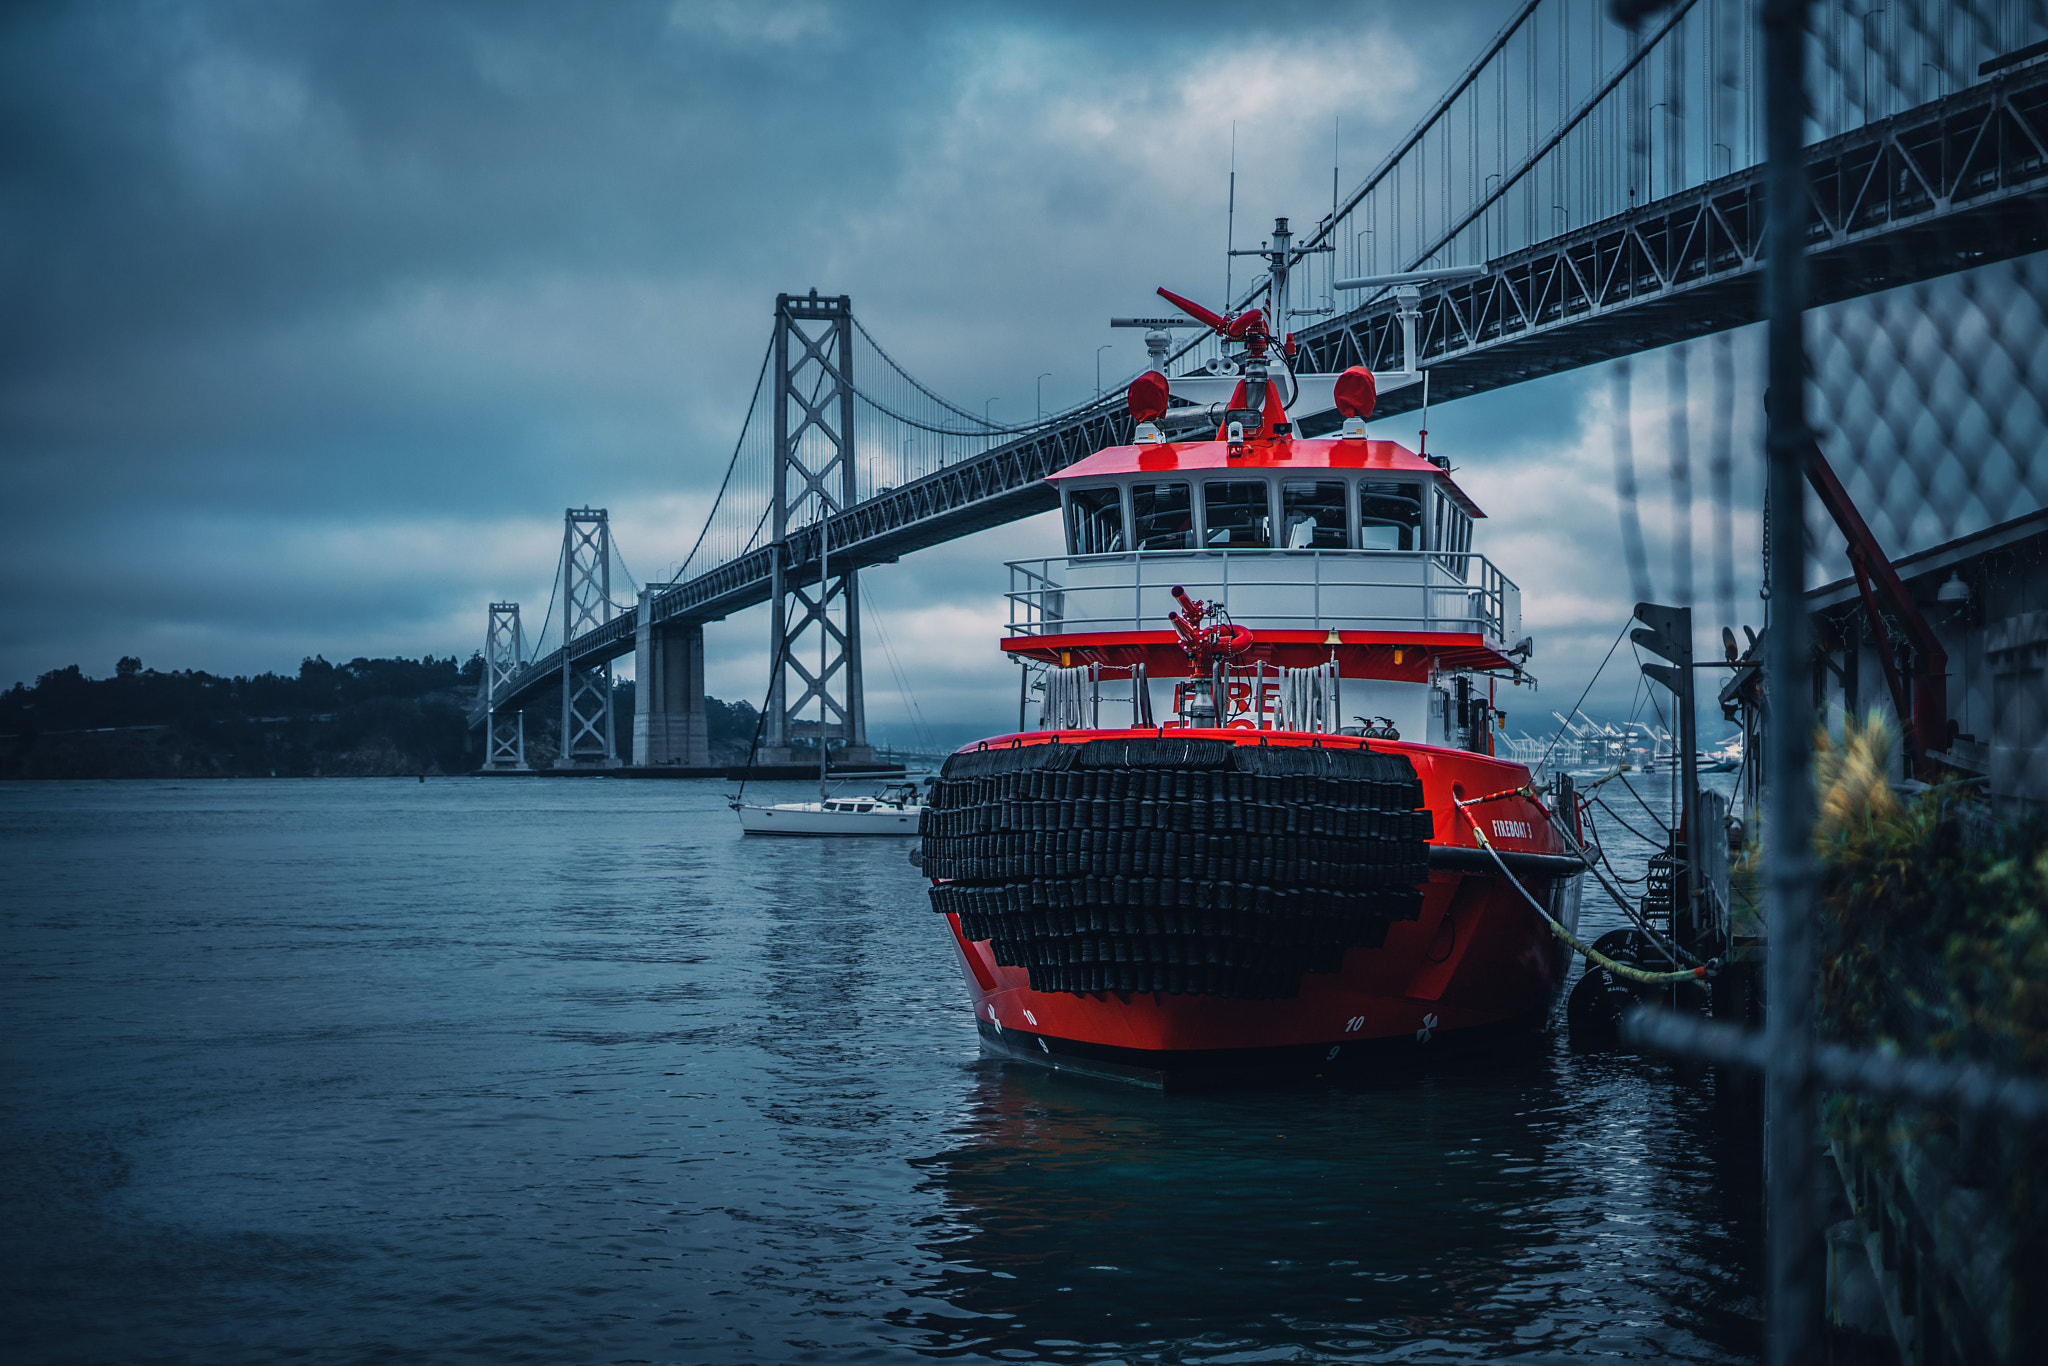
[811, 818]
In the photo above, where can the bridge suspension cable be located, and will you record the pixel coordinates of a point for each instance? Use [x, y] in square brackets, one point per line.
[982, 426]
[1570, 116]
[906, 431]
[625, 576]
[547, 618]
[739, 448]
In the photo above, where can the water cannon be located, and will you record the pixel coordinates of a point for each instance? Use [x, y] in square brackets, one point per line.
[1214, 321]
[1205, 644]
[1248, 327]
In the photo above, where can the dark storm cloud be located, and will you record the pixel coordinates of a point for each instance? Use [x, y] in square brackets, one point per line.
[219, 203]
[233, 165]
[318, 313]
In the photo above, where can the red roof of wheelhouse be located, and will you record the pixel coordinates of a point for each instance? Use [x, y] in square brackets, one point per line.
[1280, 453]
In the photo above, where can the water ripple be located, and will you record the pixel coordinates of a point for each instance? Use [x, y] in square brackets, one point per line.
[351, 1071]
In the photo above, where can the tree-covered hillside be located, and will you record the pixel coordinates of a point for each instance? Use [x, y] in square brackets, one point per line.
[365, 718]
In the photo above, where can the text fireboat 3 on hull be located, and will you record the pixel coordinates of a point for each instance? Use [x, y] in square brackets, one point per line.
[1311, 848]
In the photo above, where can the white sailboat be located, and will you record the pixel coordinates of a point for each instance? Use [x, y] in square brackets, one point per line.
[892, 811]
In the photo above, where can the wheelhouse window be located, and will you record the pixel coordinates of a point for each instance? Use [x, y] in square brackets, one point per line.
[1453, 527]
[1095, 521]
[1237, 515]
[1164, 516]
[1312, 514]
[1389, 516]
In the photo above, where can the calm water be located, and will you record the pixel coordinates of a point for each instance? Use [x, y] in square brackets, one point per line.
[561, 1071]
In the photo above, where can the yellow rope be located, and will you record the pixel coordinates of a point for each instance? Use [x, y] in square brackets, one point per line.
[1622, 970]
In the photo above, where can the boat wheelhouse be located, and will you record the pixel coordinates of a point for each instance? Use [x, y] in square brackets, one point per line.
[1347, 559]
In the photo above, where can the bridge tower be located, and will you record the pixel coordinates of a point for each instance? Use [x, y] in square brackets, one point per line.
[504, 652]
[814, 478]
[586, 605]
[670, 725]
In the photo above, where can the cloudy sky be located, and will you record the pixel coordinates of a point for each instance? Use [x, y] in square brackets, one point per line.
[318, 314]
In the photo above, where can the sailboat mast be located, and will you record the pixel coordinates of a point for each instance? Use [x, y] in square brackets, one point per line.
[824, 629]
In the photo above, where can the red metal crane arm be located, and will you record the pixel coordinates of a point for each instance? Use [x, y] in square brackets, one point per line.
[1926, 716]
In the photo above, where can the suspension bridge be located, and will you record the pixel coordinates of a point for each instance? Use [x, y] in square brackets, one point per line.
[1595, 230]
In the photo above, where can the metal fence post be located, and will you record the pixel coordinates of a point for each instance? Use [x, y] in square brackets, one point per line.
[1794, 1258]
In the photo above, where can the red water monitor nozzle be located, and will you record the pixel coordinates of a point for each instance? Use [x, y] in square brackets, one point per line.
[1202, 643]
[1248, 327]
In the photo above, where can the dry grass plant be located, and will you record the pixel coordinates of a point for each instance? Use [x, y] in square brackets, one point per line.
[1935, 942]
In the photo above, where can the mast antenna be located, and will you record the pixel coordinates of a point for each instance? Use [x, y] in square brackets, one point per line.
[1230, 219]
[1336, 155]
[825, 641]
[1424, 429]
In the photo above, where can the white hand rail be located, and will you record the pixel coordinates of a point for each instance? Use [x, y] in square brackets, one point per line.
[1417, 592]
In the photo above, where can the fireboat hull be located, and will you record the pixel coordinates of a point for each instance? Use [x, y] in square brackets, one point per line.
[1252, 1068]
[1385, 1006]
[1474, 961]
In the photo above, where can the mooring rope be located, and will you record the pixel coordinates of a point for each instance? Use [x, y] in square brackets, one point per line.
[1622, 970]
[1601, 802]
[1669, 950]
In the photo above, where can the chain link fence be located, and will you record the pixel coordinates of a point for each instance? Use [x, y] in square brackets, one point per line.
[1902, 370]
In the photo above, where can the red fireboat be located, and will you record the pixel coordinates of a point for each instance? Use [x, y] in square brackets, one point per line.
[1309, 855]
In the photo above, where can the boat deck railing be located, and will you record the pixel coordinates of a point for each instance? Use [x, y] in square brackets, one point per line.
[1413, 592]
